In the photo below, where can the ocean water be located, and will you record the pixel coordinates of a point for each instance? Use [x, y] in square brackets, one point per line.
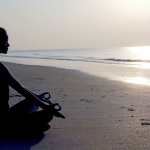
[129, 64]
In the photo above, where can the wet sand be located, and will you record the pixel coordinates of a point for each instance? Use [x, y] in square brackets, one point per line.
[100, 114]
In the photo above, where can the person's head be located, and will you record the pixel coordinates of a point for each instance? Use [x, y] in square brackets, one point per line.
[3, 41]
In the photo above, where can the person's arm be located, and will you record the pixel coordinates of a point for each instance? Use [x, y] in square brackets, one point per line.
[21, 89]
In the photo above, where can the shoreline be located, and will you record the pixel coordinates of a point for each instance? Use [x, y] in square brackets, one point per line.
[124, 73]
[100, 113]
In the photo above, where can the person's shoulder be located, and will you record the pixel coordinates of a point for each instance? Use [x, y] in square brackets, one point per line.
[2, 66]
[3, 70]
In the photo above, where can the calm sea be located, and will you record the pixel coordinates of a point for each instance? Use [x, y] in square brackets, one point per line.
[123, 63]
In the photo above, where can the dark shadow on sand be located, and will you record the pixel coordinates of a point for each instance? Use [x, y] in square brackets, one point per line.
[22, 138]
[20, 143]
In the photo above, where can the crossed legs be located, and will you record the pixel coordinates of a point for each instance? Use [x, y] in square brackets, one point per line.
[24, 117]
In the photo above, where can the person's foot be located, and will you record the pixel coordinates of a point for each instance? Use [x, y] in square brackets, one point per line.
[44, 127]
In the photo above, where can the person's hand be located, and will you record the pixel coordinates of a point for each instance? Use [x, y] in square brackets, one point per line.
[54, 108]
[58, 114]
[45, 97]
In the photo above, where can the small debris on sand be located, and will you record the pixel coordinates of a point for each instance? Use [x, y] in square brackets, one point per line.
[145, 123]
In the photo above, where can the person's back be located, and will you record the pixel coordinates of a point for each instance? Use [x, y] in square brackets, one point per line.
[4, 86]
[4, 90]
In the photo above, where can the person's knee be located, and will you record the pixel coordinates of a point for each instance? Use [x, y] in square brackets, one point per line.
[46, 117]
[49, 118]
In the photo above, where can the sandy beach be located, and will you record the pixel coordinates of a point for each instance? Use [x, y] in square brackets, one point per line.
[100, 114]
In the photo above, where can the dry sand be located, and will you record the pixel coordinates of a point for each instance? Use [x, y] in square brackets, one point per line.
[100, 114]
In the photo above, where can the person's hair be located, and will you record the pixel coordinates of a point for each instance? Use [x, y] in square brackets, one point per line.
[3, 33]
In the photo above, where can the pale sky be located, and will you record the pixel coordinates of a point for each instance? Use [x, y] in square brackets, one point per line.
[52, 24]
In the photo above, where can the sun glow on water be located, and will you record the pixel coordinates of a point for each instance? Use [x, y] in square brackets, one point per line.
[139, 80]
[141, 52]
[142, 55]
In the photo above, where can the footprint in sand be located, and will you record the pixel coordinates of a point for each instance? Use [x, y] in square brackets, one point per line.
[145, 122]
[85, 100]
[130, 109]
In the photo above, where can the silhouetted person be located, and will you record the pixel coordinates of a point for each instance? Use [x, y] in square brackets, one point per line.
[24, 114]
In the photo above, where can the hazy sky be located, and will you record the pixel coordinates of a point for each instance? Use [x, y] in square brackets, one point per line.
[48, 24]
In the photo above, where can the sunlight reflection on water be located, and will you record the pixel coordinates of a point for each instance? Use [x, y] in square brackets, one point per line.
[139, 80]
[141, 52]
